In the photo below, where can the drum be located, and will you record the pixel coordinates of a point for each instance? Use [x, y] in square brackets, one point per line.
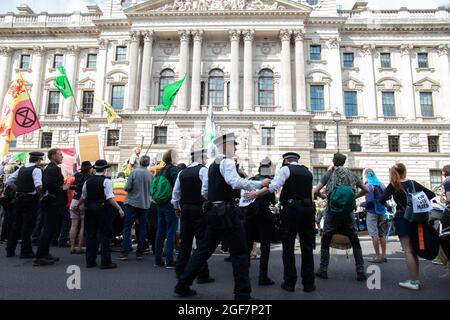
[339, 241]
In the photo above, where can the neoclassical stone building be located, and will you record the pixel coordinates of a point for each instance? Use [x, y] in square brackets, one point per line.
[276, 72]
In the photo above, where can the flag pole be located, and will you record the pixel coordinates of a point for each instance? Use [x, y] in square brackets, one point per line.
[154, 136]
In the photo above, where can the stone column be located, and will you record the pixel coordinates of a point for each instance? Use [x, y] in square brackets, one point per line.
[146, 73]
[336, 90]
[248, 69]
[370, 95]
[69, 108]
[36, 91]
[183, 69]
[100, 78]
[133, 76]
[407, 92]
[5, 66]
[445, 78]
[300, 87]
[234, 70]
[286, 78]
[196, 64]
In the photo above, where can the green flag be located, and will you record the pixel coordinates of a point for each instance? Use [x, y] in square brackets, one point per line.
[62, 83]
[169, 93]
[19, 157]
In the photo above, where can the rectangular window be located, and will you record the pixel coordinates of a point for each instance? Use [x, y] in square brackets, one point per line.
[435, 178]
[58, 60]
[46, 140]
[394, 143]
[318, 173]
[228, 93]
[113, 138]
[25, 61]
[268, 136]
[317, 101]
[320, 140]
[91, 61]
[385, 59]
[202, 93]
[355, 143]
[433, 144]
[121, 53]
[315, 52]
[426, 104]
[53, 102]
[348, 59]
[88, 102]
[13, 143]
[350, 104]
[117, 97]
[160, 135]
[423, 59]
[388, 101]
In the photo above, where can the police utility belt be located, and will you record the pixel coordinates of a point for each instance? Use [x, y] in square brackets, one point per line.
[223, 210]
[295, 203]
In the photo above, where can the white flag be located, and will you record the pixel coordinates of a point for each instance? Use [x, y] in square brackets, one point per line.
[210, 133]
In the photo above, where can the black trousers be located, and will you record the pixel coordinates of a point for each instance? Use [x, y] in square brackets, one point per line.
[38, 227]
[117, 225]
[152, 221]
[50, 215]
[98, 228]
[24, 219]
[258, 228]
[238, 250]
[298, 220]
[193, 224]
[8, 207]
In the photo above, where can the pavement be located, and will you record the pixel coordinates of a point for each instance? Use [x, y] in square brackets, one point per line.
[139, 280]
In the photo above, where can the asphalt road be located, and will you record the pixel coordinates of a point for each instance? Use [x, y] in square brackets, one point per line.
[139, 280]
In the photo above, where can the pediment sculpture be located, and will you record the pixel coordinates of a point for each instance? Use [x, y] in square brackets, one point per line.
[219, 5]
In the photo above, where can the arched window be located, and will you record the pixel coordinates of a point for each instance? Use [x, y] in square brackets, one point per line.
[167, 76]
[265, 88]
[215, 84]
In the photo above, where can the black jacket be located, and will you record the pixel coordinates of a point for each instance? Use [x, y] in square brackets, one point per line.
[52, 181]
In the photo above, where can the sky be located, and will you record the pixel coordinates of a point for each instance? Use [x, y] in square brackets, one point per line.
[61, 6]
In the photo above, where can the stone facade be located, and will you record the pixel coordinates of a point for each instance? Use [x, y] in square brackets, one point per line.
[241, 38]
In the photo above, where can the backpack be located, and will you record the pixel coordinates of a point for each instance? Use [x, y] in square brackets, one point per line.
[378, 207]
[425, 241]
[161, 189]
[342, 200]
[418, 205]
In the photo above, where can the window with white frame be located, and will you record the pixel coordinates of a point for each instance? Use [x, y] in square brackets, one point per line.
[268, 136]
[317, 98]
[117, 96]
[58, 60]
[426, 104]
[25, 61]
[435, 178]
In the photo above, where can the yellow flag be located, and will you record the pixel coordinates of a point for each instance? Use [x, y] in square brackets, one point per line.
[110, 113]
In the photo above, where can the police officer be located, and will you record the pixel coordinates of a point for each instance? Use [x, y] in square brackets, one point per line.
[222, 220]
[297, 217]
[98, 195]
[187, 200]
[27, 181]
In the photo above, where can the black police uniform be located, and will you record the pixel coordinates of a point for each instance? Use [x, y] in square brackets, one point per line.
[193, 219]
[220, 224]
[259, 227]
[26, 207]
[297, 217]
[97, 222]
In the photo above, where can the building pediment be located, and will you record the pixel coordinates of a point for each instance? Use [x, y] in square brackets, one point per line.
[205, 6]
[427, 84]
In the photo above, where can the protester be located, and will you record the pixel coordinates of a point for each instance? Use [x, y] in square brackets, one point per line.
[167, 220]
[7, 202]
[259, 225]
[442, 259]
[342, 222]
[120, 196]
[187, 200]
[134, 159]
[27, 181]
[222, 221]
[77, 216]
[398, 187]
[98, 195]
[375, 215]
[53, 202]
[137, 204]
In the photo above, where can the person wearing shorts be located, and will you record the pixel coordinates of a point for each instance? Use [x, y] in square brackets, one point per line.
[77, 217]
